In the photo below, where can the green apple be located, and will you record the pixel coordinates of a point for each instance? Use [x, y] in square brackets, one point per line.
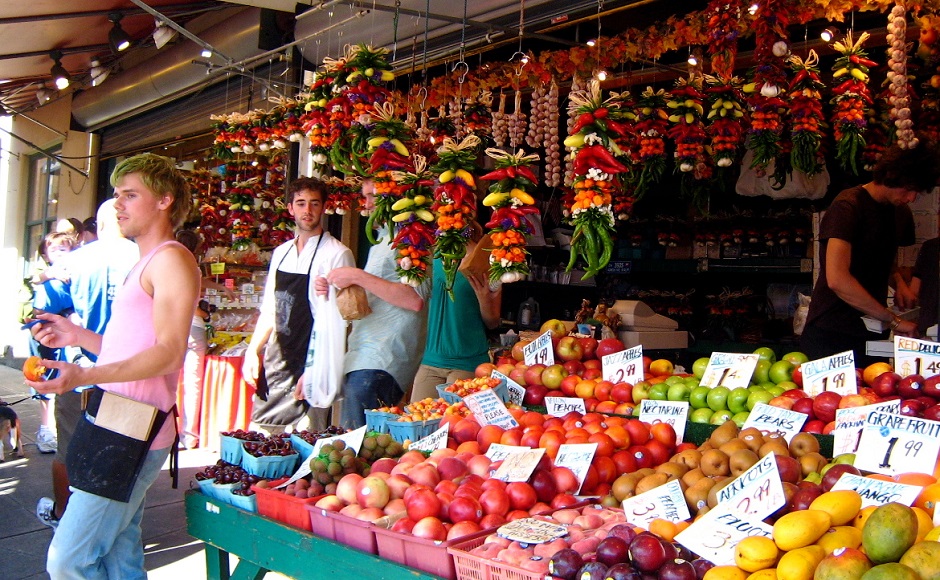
[740, 418]
[692, 382]
[698, 397]
[758, 397]
[659, 391]
[641, 391]
[846, 458]
[766, 384]
[813, 477]
[782, 370]
[678, 392]
[720, 417]
[737, 400]
[788, 385]
[702, 415]
[796, 358]
[718, 398]
[699, 366]
[761, 372]
[776, 390]
[674, 379]
[767, 354]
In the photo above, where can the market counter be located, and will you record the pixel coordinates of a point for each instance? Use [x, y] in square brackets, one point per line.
[263, 545]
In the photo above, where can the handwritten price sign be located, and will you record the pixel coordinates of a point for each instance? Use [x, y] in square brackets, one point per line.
[833, 373]
[561, 406]
[577, 457]
[664, 502]
[728, 369]
[769, 419]
[531, 531]
[849, 424]
[714, 535]
[488, 409]
[436, 440]
[539, 351]
[913, 356]
[498, 451]
[898, 444]
[625, 366]
[756, 493]
[516, 391]
[674, 413]
[877, 492]
[519, 466]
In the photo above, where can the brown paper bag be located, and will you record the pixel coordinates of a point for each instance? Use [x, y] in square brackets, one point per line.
[353, 303]
[478, 261]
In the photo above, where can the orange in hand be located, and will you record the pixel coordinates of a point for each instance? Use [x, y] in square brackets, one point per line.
[33, 369]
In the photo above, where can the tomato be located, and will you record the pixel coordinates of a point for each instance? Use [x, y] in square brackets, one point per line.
[33, 369]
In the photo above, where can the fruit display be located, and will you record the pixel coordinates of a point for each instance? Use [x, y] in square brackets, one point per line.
[464, 387]
[224, 473]
[275, 445]
[333, 462]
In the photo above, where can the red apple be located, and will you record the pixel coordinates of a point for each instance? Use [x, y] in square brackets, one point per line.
[589, 346]
[518, 374]
[912, 407]
[461, 529]
[832, 475]
[535, 395]
[886, 384]
[574, 367]
[789, 468]
[932, 413]
[932, 387]
[804, 496]
[622, 393]
[403, 525]
[569, 349]
[592, 374]
[804, 405]
[517, 352]
[825, 405]
[795, 394]
[533, 374]
[813, 426]
[797, 376]
[911, 386]
[608, 346]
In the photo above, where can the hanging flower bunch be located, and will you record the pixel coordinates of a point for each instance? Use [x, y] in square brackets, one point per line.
[769, 83]
[897, 77]
[688, 130]
[454, 202]
[651, 127]
[511, 199]
[389, 157]
[725, 18]
[414, 236]
[850, 98]
[596, 175]
[806, 115]
[725, 118]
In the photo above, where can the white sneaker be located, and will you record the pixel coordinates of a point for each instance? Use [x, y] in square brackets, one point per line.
[46, 440]
[45, 511]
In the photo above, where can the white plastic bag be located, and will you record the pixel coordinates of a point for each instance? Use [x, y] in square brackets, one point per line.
[323, 371]
[753, 183]
[799, 317]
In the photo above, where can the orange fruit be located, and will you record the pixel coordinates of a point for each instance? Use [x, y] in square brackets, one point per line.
[33, 369]
[665, 529]
[872, 371]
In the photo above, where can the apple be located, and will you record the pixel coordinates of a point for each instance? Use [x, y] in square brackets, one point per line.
[718, 398]
[699, 366]
[932, 413]
[795, 358]
[622, 393]
[825, 405]
[697, 398]
[832, 472]
[573, 367]
[797, 376]
[506, 367]
[789, 468]
[552, 376]
[517, 374]
[737, 400]
[767, 354]
[641, 391]
[569, 349]
[535, 395]
[589, 345]
[517, 350]
[592, 374]
[912, 407]
[804, 496]
[813, 426]
[568, 385]
[911, 386]
[609, 346]
[805, 406]
[703, 415]
[484, 369]
[761, 372]
[781, 371]
[759, 396]
[533, 374]
[678, 392]
[555, 326]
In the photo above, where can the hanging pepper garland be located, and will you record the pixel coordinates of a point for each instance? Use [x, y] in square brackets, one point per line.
[807, 118]
[726, 22]
[850, 99]
[726, 116]
[688, 130]
[389, 156]
[769, 81]
[414, 235]
[513, 180]
[651, 128]
[454, 202]
[316, 123]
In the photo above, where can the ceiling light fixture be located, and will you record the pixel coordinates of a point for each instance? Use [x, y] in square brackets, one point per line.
[206, 53]
[59, 75]
[827, 34]
[98, 73]
[117, 38]
[752, 10]
[591, 42]
[44, 95]
[162, 34]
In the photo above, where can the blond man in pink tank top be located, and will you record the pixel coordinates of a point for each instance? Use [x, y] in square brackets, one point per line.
[139, 356]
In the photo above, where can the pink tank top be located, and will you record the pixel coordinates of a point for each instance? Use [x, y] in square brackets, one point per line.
[129, 332]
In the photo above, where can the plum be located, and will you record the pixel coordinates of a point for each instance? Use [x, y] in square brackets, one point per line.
[612, 551]
[647, 552]
[677, 569]
[592, 571]
[565, 564]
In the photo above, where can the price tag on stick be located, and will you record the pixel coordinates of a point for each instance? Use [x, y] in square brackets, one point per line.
[664, 502]
[913, 356]
[715, 535]
[849, 424]
[833, 373]
[729, 369]
[625, 366]
[674, 413]
[561, 406]
[898, 444]
[540, 351]
[516, 391]
[577, 457]
[769, 419]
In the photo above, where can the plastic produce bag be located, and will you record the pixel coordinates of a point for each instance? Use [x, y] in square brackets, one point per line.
[799, 317]
[323, 371]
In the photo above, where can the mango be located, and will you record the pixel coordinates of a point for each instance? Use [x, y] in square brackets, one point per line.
[800, 564]
[842, 506]
[755, 553]
[933, 535]
[840, 537]
[890, 571]
[800, 528]
[842, 564]
[863, 515]
[766, 574]
[725, 573]
[924, 523]
[924, 558]
[889, 532]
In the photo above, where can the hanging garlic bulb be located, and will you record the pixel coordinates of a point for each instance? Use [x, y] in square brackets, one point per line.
[500, 123]
[534, 136]
[517, 123]
[897, 76]
[577, 84]
[553, 170]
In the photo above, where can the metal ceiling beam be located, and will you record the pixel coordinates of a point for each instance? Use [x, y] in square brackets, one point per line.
[92, 13]
[45, 153]
[64, 51]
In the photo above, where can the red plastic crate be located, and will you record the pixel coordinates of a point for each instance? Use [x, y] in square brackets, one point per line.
[472, 567]
[287, 509]
[343, 529]
[425, 555]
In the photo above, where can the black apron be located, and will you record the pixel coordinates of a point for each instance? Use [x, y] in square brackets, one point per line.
[286, 351]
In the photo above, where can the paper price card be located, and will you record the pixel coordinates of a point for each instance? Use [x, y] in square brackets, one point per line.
[488, 409]
[217, 268]
[756, 493]
[539, 351]
[516, 391]
[303, 471]
[913, 356]
[577, 457]
[561, 406]
[498, 451]
[898, 444]
[833, 373]
[436, 440]
[714, 535]
[531, 531]
[625, 366]
[674, 413]
[664, 502]
[849, 423]
[769, 419]
[878, 492]
[353, 440]
[519, 466]
[729, 369]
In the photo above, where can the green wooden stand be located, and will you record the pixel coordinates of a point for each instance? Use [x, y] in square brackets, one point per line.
[263, 546]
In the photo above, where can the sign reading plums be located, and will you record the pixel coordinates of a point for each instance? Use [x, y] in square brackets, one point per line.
[625, 366]
[519, 466]
[769, 420]
[729, 369]
[715, 535]
[516, 391]
[488, 409]
[850, 421]
[539, 351]
[898, 444]
[577, 457]
[877, 492]
[561, 406]
[664, 502]
[913, 356]
[833, 373]
[756, 493]
[674, 413]
[436, 440]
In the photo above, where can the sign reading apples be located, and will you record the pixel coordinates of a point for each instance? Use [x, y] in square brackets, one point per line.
[913, 356]
[625, 366]
[833, 373]
[539, 351]
[729, 369]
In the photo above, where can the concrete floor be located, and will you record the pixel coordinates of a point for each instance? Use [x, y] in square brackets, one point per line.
[170, 552]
